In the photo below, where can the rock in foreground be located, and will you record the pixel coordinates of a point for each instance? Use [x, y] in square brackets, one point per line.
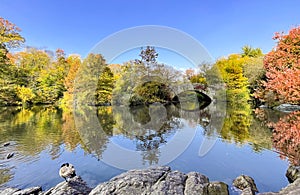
[74, 186]
[160, 180]
[16, 191]
[246, 184]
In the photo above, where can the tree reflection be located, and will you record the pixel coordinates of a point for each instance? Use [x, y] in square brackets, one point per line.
[33, 129]
[286, 137]
[239, 125]
[92, 134]
[70, 133]
[5, 175]
[149, 126]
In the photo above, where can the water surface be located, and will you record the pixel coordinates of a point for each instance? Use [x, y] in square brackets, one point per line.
[42, 138]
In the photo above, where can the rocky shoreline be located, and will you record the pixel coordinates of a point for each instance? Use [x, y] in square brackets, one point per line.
[160, 180]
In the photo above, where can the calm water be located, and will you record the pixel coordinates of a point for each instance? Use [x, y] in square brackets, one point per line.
[102, 142]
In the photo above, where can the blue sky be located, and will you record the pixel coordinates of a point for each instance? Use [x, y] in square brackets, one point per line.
[222, 27]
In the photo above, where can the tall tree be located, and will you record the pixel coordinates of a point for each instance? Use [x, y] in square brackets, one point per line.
[31, 62]
[51, 80]
[87, 78]
[9, 38]
[104, 87]
[74, 62]
[148, 58]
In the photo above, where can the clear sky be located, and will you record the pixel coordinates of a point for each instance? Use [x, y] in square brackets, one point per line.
[222, 27]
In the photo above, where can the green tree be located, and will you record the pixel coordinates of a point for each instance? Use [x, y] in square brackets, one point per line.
[254, 71]
[105, 87]
[87, 78]
[51, 80]
[9, 38]
[25, 94]
[150, 92]
[31, 63]
[251, 52]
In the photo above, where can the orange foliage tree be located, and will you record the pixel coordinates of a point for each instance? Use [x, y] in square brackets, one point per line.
[282, 66]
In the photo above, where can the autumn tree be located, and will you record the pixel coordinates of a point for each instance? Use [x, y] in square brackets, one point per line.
[87, 77]
[282, 66]
[198, 79]
[52, 80]
[104, 87]
[231, 71]
[31, 62]
[74, 62]
[9, 38]
[25, 94]
[238, 111]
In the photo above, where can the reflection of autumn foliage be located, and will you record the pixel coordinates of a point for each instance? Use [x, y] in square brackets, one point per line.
[286, 136]
[69, 132]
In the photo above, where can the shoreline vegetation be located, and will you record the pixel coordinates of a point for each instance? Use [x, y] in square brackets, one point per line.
[33, 76]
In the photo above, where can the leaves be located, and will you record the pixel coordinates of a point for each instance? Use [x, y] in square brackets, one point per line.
[9, 34]
[286, 136]
[25, 94]
[282, 66]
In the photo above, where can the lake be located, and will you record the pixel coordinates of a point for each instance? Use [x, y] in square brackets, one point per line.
[102, 142]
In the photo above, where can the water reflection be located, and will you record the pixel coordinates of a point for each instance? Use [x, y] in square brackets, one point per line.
[286, 137]
[33, 129]
[146, 129]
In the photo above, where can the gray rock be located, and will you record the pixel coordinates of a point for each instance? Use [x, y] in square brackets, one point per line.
[287, 107]
[268, 193]
[244, 182]
[196, 184]
[291, 189]
[16, 191]
[29, 191]
[160, 180]
[217, 188]
[8, 191]
[247, 191]
[74, 186]
[293, 173]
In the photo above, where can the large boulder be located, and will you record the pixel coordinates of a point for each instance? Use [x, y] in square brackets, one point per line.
[246, 184]
[74, 186]
[160, 180]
